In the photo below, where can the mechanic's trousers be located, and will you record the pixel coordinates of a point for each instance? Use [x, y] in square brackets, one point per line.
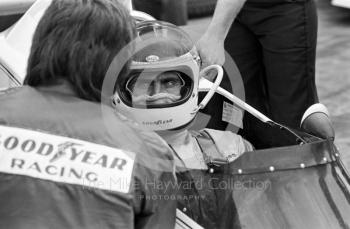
[273, 43]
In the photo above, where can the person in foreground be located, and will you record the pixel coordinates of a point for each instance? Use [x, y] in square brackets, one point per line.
[62, 164]
[161, 94]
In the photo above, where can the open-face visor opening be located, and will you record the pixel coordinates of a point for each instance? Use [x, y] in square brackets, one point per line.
[160, 89]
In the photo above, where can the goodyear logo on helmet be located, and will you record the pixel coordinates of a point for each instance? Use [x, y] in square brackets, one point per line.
[62, 159]
[158, 122]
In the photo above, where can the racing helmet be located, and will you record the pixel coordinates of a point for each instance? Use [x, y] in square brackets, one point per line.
[160, 90]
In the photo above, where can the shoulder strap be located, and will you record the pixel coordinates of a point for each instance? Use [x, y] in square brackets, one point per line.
[211, 153]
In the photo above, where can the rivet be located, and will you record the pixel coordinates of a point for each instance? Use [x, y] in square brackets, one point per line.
[337, 154]
[240, 171]
[211, 170]
[184, 209]
[324, 159]
[193, 95]
[272, 168]
[302, 165]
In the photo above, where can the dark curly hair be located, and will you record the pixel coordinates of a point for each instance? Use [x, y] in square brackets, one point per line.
[76, 40]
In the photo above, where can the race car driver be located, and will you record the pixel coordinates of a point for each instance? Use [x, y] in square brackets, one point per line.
[161, 93]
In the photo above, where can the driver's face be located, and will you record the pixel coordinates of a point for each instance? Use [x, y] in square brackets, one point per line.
[151, 89]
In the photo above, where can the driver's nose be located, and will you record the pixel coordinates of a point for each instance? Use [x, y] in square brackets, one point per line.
[155, 88]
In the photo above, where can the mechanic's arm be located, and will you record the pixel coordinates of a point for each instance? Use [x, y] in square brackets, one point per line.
[211, 44]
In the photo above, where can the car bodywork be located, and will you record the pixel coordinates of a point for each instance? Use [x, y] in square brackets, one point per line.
[288, 187]
[15, 41]
[341, 3]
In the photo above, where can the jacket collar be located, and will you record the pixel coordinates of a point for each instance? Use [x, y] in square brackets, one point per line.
[61, 87]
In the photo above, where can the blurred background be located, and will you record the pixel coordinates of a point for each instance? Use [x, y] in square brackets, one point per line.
[333, 51]
[333, 69]
[176, 11]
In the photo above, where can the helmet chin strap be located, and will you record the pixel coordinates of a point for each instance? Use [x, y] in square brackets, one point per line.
[214, 85]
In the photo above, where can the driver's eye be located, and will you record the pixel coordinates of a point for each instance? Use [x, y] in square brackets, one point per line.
[170, 83]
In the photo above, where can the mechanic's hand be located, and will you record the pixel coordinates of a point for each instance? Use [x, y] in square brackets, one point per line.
[211, 51]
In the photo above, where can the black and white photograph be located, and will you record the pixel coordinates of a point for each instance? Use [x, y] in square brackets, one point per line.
[174, 114]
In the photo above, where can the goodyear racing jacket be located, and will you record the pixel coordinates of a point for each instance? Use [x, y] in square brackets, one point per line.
[63, 164]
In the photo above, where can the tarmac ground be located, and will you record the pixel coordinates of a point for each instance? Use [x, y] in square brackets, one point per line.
[332, 67]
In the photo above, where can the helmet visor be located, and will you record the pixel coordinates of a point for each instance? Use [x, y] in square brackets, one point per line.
[149, 88]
